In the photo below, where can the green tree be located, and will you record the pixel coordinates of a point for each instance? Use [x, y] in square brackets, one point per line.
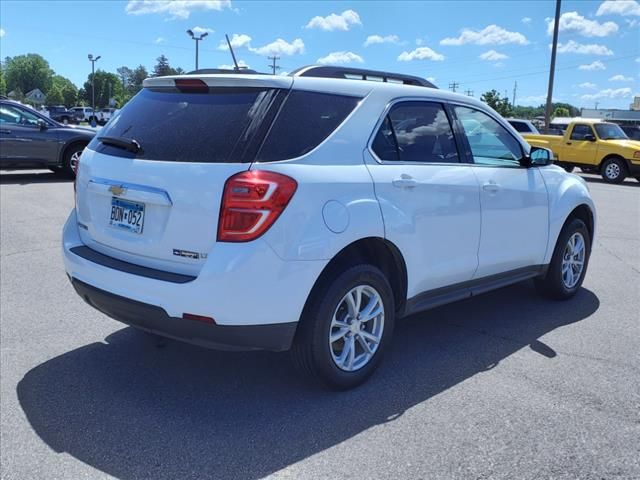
[137, 77]
[67, 89]
[107, 85]
[561, 112]
[55, 97]
[162, 67]
[495, 101]
[26, 72]
[3, 82]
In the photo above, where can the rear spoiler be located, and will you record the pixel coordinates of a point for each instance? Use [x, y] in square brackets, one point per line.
[226, 80]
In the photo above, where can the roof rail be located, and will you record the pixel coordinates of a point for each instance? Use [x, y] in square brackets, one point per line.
[325, 71]
[203, 71]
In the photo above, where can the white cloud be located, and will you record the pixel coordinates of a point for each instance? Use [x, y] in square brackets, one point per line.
[493, 56]
[532, 100]
[373, 39]
[431, 79]
[238, 40]
[574, 22]
[490, 35]
[608, 93]
[281, 47]
[632, 22]
[526, 20]
[340, 57]
[619, 7]
[160, 40]
[332, 22]
[419, 41]
[200, 30]
[587, 85]
[181, 9]
[620, 78]
[420, 53]
[586, 49]
[638, 60]
[241, 63]
[597, 65]
[2, 32]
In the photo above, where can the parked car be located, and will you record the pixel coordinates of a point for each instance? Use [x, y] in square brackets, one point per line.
[105, 114]
[84, 114]
[631, 131]
[29, 139]
[594, 146]
[61, 114]
[309, 213]
[522, 125]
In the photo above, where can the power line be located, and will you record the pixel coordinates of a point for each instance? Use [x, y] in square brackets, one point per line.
[468, 93]
[453, 86]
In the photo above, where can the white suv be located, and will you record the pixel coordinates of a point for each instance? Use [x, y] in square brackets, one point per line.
[309, 213]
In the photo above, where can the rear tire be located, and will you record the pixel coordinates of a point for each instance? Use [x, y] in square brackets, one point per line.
[613, 170]
[335, 323]
[569, 262]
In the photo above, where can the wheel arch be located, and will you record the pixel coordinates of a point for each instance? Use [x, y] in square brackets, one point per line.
[376, 251]
[72, 143]
[612, 156]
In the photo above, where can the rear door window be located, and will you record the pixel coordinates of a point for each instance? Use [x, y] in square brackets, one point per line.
[304, 122]
[416, 132]
[187, 127]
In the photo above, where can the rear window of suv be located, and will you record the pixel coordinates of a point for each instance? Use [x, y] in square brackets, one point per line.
[185, 127]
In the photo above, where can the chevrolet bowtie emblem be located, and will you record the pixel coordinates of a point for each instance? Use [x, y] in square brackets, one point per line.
[117, 189]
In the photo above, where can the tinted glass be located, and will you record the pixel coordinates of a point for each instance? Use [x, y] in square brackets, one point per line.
[419, 131]
[305, 120]
[184, 127]
[610, 131]
[490, 142]
[579, 132]
[17, 116]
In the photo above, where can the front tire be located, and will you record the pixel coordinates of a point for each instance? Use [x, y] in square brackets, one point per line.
[613, 170]
[345, 327]
[569, 262]
[71, 158]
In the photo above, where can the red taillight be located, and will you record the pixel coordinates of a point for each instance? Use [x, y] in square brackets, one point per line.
[191, 85]
[251, 203]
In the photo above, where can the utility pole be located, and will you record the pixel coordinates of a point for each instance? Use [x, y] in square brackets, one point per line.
[197, 39]
[597, 103]
[453, 86]
[515, 89]
[93, 86]
[552, 69]
[273, 65]
[468, 93]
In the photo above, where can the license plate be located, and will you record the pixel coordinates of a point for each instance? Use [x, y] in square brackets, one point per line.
[127, 215]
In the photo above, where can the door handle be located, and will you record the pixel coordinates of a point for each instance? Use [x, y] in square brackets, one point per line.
[491, 187]
[405, 181]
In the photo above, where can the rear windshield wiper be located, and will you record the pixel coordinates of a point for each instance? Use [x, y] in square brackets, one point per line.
[128, 144]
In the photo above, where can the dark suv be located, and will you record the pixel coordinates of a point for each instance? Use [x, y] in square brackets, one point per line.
[29, 139]
[61, 114]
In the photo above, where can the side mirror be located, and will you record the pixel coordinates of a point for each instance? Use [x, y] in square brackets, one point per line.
[539, 157]
[589, 137]
[42, 125]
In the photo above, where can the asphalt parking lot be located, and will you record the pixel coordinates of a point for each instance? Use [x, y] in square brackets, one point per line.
[505, 385]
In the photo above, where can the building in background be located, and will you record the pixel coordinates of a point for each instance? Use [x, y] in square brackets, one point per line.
[636, 104]
[622, 117]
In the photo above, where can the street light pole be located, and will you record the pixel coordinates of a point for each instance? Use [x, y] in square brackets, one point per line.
[197, 39]
[552, 70]
[93, 83]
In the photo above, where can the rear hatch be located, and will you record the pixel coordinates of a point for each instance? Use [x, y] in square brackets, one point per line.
[150, 183]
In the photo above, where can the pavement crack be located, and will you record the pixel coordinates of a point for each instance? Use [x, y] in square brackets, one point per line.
[21, 252]
[610, 252]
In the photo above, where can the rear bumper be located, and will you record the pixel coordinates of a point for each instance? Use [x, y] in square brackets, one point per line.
[151, 318]
[254, 297]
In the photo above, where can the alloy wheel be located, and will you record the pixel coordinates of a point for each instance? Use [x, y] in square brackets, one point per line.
[573, 260]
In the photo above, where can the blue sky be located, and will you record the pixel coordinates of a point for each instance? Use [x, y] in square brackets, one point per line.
[479, 44]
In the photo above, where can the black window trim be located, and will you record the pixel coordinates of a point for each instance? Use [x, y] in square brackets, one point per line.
[393, 103]
[50, 122]
[467, 147]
